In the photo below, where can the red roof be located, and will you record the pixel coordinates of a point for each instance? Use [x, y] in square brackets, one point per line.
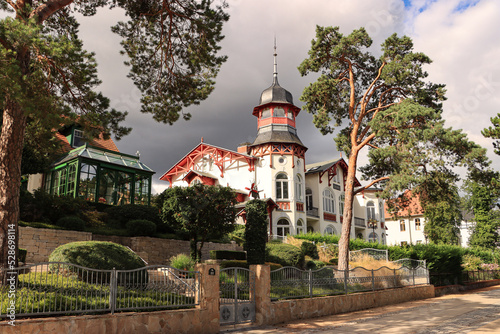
[412, 207]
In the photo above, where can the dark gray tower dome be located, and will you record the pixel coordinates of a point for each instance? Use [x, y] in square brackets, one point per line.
[275, 93]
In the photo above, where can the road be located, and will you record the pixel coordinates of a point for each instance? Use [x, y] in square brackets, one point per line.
[473, 312]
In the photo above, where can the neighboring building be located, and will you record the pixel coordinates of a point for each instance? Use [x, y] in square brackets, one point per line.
[300, 197]
[95, 171]
[369, 219]
[409, 227]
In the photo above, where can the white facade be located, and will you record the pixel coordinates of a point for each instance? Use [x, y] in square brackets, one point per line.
[406, 231]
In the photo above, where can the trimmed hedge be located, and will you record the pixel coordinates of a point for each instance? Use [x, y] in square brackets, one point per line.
[121, 215]
[309, 249]
[227, 255]
[141, 227]
[71, 223]
[284, 254]
[256, 231]
[21, 255]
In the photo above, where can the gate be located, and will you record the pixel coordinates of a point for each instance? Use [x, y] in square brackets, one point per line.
[237, 295]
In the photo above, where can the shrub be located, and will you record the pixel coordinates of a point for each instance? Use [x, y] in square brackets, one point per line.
[120, 215]
[471, 262]
[141, 227]
[71, 223]
[256, 231]
[312, 264]
[94, 218]
[244, 264]
[227, 255]
[101, 255]
[309, 249]
[238, 234]
[182, 262]
[284, 254]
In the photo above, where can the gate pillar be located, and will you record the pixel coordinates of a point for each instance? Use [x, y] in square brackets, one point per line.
[262, 293]
[209, 299]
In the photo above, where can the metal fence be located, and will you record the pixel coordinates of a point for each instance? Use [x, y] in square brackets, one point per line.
[291, 282]
[65, 288]
[377, 254]
[480, 275]
[411, 263]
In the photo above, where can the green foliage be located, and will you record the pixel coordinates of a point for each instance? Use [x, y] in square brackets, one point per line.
[238, 235]
[494, 132]
[244, 264]
[471, 262]
[182, 262]
[284, 254]
[309, 249]
[97, 255]
[318, 238]
[49, 208]
[71, 223]
[311, 264]
[227, 255]
[141, 227]
[256, 231]
[120, 215]
[199, 212]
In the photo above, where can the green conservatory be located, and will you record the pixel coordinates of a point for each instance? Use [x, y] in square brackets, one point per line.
[100, 176]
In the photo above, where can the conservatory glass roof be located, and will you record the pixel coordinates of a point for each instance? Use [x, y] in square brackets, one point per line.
[114, 158]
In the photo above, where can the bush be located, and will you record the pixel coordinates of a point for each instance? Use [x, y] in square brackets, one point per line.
[141, 227]
[71, 223]
[309, 249]
[312, 264]
[471, 262]
[101, 255]
[227, 255]
[119, 216]
[284, 254]
[256, 231]
[182, 262]
[238, 235]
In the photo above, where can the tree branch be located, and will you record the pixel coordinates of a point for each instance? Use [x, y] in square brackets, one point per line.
[357, 191]
[44, 11]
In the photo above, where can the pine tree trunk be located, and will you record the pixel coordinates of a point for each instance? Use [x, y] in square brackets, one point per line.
[11, 146]
[347, 218]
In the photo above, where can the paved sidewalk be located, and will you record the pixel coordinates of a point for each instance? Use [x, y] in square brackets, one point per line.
[472, 312]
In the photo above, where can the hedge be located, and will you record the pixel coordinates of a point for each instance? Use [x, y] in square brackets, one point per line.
[244, 264]
[284, 254]
[227, 255]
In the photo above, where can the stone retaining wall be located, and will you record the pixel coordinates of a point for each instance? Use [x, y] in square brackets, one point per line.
[40, 242]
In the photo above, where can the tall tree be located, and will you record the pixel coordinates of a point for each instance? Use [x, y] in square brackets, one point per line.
[387, 107]
[494, 132]
[47, 76]
[199, 212]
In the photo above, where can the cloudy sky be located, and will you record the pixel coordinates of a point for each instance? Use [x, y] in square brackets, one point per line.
[461, 37]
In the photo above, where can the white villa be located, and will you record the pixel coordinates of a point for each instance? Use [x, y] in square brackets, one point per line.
[301, 197]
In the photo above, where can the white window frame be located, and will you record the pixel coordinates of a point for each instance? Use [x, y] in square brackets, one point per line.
[282, 186]
[328, 201]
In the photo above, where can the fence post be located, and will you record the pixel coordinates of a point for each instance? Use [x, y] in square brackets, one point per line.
[112, 291]
[413, 272]
[310, 284]
[345, 280]
[373, 280]
[262, 293]
[395, 279]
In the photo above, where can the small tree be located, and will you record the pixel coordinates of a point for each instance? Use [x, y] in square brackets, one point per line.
[256, 231]
[493, 132]
[200, 212]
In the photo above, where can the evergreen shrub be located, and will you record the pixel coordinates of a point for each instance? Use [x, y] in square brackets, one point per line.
[120, 215]
[256, 231]
[309, 249]
[71, 223]
[140, 227]
[227, 255]
[284, 254]
[101, 255]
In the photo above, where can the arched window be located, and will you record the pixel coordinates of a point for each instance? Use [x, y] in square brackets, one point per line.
[330, 230]
[290, 114]
[309, 199]
[283, 228]
[279, 112]
[298, 188]
[341, 204]
[266, 113]
[370, 210]
[373, 237]
[281, 186]
[328, 201]
[300, 226]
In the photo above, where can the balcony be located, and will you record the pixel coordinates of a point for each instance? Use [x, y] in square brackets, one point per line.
[284, 205]
[359, 222]
[313, 212]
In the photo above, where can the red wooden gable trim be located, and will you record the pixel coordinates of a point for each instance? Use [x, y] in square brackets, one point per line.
[332, 171]
[220, 156]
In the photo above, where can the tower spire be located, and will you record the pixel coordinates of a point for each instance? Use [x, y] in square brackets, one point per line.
[275, 73]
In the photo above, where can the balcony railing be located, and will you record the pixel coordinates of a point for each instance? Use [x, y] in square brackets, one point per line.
[359, 222]
[312, 211]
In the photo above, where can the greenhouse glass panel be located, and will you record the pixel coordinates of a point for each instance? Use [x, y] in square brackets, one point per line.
[123, 188]
[88, 182]
[107, 191]
[141, 190]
